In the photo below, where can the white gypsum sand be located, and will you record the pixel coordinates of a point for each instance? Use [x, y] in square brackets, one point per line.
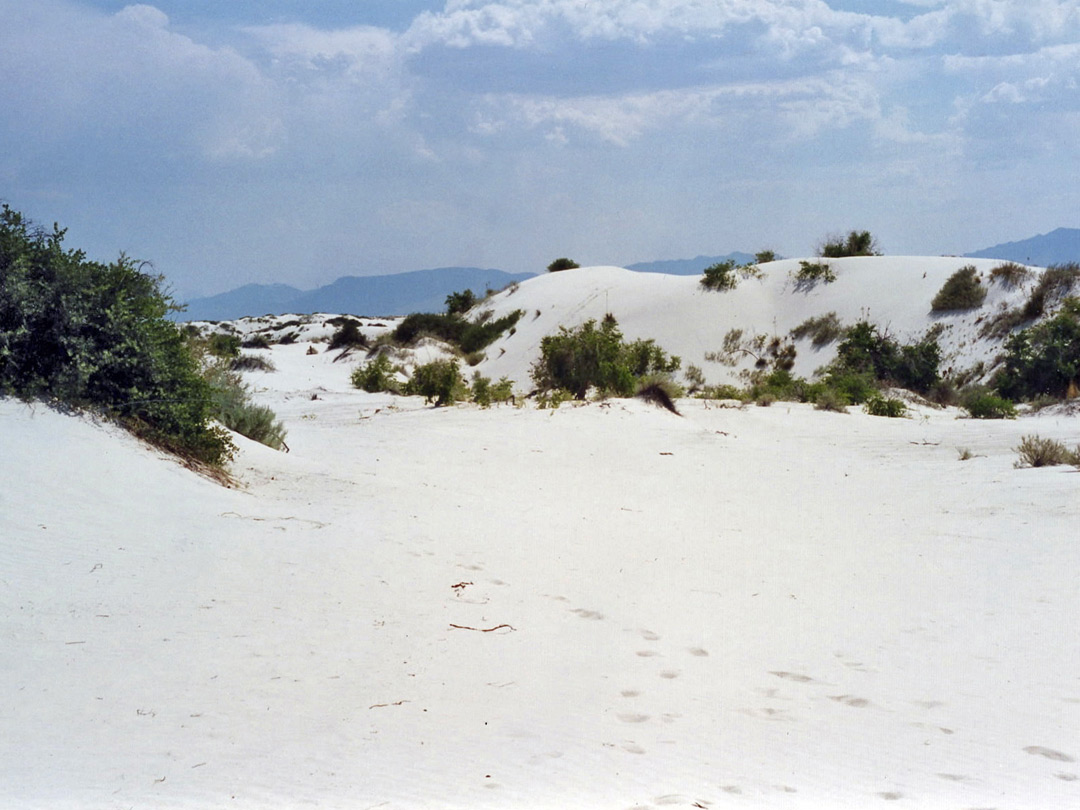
[600, 606]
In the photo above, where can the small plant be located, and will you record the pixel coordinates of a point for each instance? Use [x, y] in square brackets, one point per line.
[764, 257]
[695, 377]
[481, 390]
[226, 346]
[1010, 274]
[256, 342]
[553, 399]
[251, 362]
[830, 399]
[962, 290]
[438, 381]
[1038, 452]
[857, 243]
[964, 453]
[233, 408]
[1056, 282]
[660, 391]
[726, 275]
[878, 405]
[562, 264]
[821, 330]
[376, 376]
[723, 391]
[810, 273]
[1043, 359]
[765, 400]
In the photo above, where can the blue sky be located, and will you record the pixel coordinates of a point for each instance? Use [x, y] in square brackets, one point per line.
[296, 141]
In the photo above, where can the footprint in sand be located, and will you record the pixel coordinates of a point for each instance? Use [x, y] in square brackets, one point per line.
[891, 797]
[954, 777]
[1066, 777]
[630, 693]
[793, 676]
[670, 674]
[1049, 753]
[698, 652]
[648, 635]
[588, 614]
[647, 653]
[633, 718]
[633, 748]
[850, 700]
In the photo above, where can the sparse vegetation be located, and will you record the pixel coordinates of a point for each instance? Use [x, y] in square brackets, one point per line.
[348, 336]
[962, 290]
[234, 409]
[810, 273]
[458, 303]
[467, 336]
[856, 243]
[822, 330]
[865, 350]
[595, 356]
[376, 376]
[251, 362]
[726, 275]
[439, 381]
[1010, 274]
[982, 404]
[764, 257]
[1056, 282]
[878, 405]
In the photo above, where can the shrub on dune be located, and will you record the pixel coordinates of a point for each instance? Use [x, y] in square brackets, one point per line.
[962, 290]
[1043, 359]
[439, 381]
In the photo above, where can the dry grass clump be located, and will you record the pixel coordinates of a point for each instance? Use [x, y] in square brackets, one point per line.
[822, 330]
[1010, 274]
[1038, 452]
[962, 290]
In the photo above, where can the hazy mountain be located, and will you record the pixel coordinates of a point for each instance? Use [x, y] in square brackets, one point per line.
[689, 267]
[1056, 247]
[397, 294]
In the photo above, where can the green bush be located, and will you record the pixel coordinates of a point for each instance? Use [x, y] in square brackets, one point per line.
[562, 264]
[830, 399]
[460, 302]
[809, 273]
[234, 409]
[256, 342]
[982, 404]
[251, 362]
[348, 336]
[593, 356]
[764, 257]
[439, 381]
[865, 350]
[878, 405]
[822, 330]
[468, 336]
[376, 376]
[962, 290]
[484, 392]
[857, 243]
[227, 346]
[1056, 282]
[725, 275]
[1043, 359]
[95, 335]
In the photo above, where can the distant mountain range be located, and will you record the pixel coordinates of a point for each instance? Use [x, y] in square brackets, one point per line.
[1057, 247]
[397, 294]
[426, 290]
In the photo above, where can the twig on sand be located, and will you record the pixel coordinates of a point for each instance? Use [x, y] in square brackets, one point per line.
[385, 705]
[483, 629]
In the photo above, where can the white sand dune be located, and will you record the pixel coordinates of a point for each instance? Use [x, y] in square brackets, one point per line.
[600, 606]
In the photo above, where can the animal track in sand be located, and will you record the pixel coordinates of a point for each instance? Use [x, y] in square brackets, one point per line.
[1049, 753]
[633, 718]
[670, 674]
[735, 790]
[648, 635]
[889, 796]
[954, 777]
[588, 614]
[630, 693]
[698, 652]
[1066, 777]
[646, 653]
[633, 748]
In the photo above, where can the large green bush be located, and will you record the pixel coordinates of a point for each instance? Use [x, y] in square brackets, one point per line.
[1044, 358]
[595, 356]
[856, 243]
[468, 336]
[865, 350]
[439, 381]
[95, 335]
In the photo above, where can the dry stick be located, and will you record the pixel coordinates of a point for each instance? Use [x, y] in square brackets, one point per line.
[385, 705]
[481, 629]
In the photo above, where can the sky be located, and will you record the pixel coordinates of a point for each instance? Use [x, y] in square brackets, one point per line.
[296, 141]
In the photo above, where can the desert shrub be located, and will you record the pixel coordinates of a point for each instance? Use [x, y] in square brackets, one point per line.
[256, 342]
[480, 391]
[233, 408]
[220, 345]
[723, 391]
[595, 356]
[962, 290]
[830, 399]
[375, 376]
[460, 302]
[96, 335]
[944, 392]
[1010, 274]
[468, 336]
[726, 275]
[503, 390]
[768, 352]
[865, 350]
[289, 339]
[822, 330]
[562, 264]
[1003, 323]
[439, 381]
[764, 257]
[1056, 282]
[878, 405]
[251, 362]
[1043, 359]
[856, 243]
[765, 399]
[982, 404]
[854, 386]
[809, 273]
[1038, 452]
[478, 336]
[348, 336]
[661, 392]
[695, 377]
